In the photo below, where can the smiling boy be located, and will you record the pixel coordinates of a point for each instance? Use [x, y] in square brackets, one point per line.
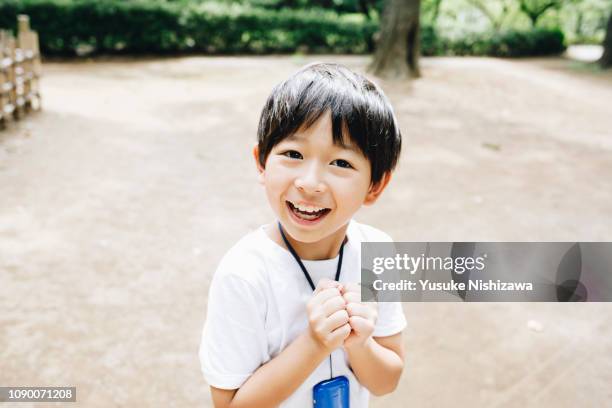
[284, 310]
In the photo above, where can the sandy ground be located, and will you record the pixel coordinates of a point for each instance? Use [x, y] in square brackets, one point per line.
[119, 198]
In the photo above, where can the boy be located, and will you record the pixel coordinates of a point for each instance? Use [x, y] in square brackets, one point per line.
[284, 309]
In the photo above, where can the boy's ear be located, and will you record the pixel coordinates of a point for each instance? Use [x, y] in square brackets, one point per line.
[377, 189]
[260, 169]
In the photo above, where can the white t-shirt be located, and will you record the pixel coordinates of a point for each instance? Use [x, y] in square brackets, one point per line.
[257, 307]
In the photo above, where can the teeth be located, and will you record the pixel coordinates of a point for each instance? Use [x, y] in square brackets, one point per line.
[308, 208]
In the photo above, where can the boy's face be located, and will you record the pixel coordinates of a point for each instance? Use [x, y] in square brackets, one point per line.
[314, 186]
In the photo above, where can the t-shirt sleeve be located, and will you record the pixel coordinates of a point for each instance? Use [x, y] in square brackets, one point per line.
[391, 319]
[233, 339]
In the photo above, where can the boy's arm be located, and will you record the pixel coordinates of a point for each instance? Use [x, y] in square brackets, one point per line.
[377, 362]
[276, 380]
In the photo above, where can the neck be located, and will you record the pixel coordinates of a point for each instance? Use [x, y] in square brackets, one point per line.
[327, 248]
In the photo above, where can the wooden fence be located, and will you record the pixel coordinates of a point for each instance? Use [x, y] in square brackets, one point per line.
[20, 69]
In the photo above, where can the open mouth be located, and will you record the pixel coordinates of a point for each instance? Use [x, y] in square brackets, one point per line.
[307, 215]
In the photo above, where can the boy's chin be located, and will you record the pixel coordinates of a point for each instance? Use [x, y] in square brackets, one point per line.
[310, 239]
[308, 236]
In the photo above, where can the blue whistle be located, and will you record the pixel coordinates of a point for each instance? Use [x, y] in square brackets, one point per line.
[333, 393]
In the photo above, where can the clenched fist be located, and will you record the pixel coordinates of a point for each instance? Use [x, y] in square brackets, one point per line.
[328, 318]
[362, 316]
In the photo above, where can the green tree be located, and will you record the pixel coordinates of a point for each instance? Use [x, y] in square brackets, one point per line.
[534, 9]
[495, 11]
[430, 10]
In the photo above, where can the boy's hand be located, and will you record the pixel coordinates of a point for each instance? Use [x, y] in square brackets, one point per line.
[362, 316]
[327, 315]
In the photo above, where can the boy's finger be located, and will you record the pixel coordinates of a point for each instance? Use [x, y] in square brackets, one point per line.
[358, 309]
[325, 283]
[352, 297]
[341, 332]
[352, 287]
[325, 294]
[359, 324]
[336, 320]
[333, 304]
[367, 310]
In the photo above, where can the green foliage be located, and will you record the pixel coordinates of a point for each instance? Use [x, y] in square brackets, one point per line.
[534, 9]
[116, 26]
[69, 27]
[509, 43]
[339, 6]
[527, 43]
[582, 21]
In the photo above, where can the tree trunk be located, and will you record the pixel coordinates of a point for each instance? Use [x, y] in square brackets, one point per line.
[397, 52]
[606, 59]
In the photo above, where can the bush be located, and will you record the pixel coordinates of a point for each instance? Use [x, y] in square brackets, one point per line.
[69, 27]
[158, 27]
[510, 43]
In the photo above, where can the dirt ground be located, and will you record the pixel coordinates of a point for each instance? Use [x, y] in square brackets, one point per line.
[119, 198]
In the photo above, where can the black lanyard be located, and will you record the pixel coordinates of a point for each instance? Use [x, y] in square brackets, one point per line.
[299, 261]
[307, 275]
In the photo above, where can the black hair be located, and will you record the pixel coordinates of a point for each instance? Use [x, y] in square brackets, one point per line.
[359, 110]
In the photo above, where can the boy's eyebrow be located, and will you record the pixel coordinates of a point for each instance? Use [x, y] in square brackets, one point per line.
[352, 147]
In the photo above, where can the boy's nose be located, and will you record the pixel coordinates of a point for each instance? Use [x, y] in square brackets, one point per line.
[310, 181]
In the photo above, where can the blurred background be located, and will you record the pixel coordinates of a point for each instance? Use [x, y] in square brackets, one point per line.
[119, 196]
[447, 27]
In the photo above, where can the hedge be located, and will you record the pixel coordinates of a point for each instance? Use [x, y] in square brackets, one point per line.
[510, 43]
[69, 27]
[133, 27]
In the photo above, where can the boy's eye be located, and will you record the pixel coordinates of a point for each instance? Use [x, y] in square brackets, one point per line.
[342, 163]
[292, 154]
